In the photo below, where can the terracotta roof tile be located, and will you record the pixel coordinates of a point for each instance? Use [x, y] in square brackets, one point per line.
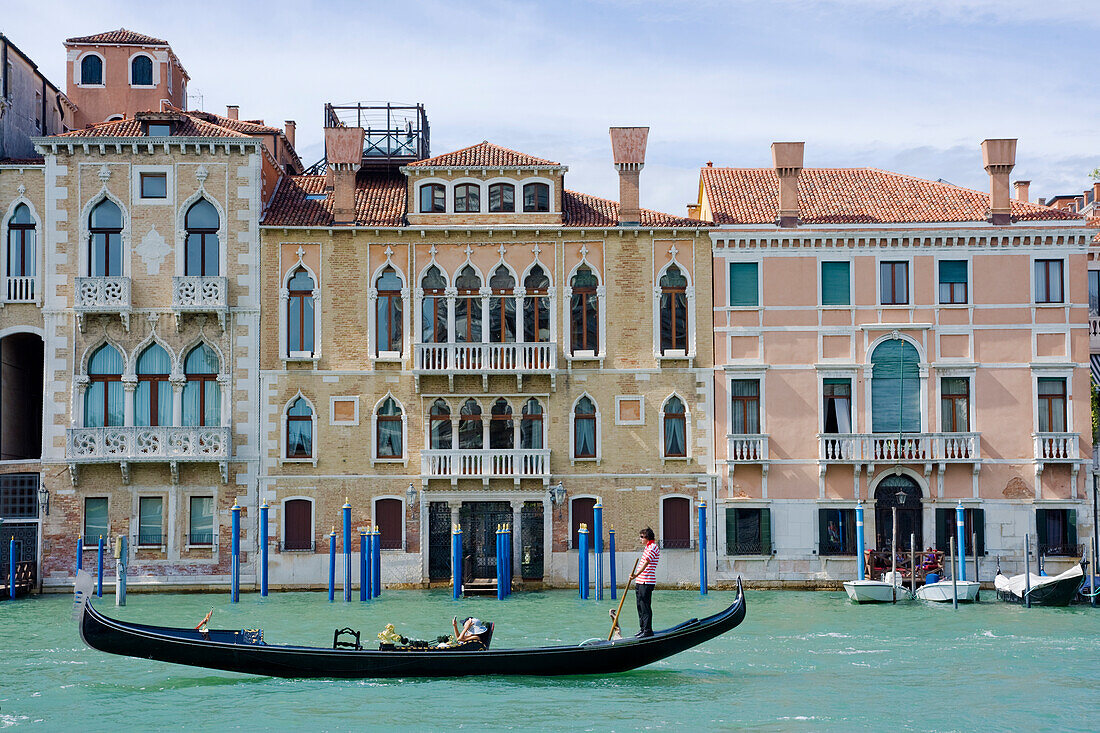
[1094, 222]
[22, 161]
[120, 36]
[852, 196]
[486, 155]
[190, 126]
[379, 201]
[582, 210]
[249, 127]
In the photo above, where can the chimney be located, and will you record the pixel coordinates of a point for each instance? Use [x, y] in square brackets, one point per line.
[693, 211]
[232, 111]
[787, 160]
[999, 158]
[290, 129]
[1023, 188]
[344, 154]
[628, 151]
[1096, 191]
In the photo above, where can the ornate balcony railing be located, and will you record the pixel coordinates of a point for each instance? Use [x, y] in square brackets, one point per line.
[102, 295]
[903, 448]
[746, 448]
[133, 444]
[478, 358]
[20, 289]
[485, 464]
[1057, 447]
[201, 294]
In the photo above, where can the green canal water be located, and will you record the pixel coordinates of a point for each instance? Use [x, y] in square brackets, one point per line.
[799, 662]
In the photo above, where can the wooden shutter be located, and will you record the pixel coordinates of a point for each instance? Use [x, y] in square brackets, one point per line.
[744, 289]
[895, 388]
[390, 519]
[835, 283]
[731, 531]
[765, 531]
[943, 521]
[1041, 525]
[297, 525]
[582, 513]
[823, 519]
[1071, 526]
[676, 532]
[977, 523]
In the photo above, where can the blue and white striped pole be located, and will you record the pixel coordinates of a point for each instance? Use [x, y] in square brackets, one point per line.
[364, 577]
[332, 565]
[860, 560]
[597, 527]
[611, 559]
[11, 567]
[456, 561]
[99, 569]
[347, 550]
[263, 549]
[582, 560]
[235, 553]
[377, 574]
[702, 548]
[960, 526]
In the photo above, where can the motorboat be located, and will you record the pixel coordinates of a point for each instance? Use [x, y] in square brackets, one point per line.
[943, 591]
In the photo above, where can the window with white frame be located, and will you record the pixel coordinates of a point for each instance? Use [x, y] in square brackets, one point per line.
[388, 318]
[467, 198]
[433, 198]
[468, 306]
[744, 285]
[955, 404]
[502, 428]
[536, 306]
[894, 283]
[836, 279]
[674, 428]
[202, 253]
[21, 255]
[201, 390]
[153, 396]
[1048, 281]
[531, 426]
[502, 307]
[584, 312]
[103, 397]
[141, 71]
[745, 406]
[502, 197]
[91, 70]
[150, 521]
[953, 282]
[471, 433]
[1052, 405]
[389, 431]
[105, 240]
[299, 429]
[440, 431]
[585, 428]
[433, 308]
[673, 312]
[300, 316]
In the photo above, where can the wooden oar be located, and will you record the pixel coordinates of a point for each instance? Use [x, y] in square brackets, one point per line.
[615, 620]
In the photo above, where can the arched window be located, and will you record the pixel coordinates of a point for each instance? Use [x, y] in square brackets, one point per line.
[299, 317]
[153, 397]
[536, 197]
[536, 306]
[21, 254]
[439, 426]
[502, 197]
[468, 306]
[433, 198]
[673, 310]
[584, 429]
[584, 312]
[433, 310]
[502, 307]
[676, 522]
[91, 69]
[141, 71]
[530, 428]
[470, 433]
[675, 428]
[202, 246]
[201, 393]
[388, 430]
[103, 400]
[502, 429]
[388, 311]
[468, 198]
[299, 429]
[105, 252]
[895, 388]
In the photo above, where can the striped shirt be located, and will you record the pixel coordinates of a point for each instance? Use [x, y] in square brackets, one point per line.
[652, 554]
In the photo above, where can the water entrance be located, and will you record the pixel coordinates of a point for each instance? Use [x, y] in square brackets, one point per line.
[479, 520]
[902, 492]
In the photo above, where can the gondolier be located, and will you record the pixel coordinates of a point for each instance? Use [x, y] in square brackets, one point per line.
[646, 577]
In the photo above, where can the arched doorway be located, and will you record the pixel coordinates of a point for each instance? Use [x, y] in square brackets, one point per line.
[21, 397]
[901, 491]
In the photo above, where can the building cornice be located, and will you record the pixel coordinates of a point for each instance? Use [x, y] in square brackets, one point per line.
[53, 145]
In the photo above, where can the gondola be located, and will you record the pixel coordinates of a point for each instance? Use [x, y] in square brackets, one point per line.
[1044, 590]
[245, 651]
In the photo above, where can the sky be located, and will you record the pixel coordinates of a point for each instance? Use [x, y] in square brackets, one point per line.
[912, 86]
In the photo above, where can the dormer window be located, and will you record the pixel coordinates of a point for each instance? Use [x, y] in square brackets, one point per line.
[159, 129]
[502, 197]
[433, 198]
[467, 198]
[536, 197]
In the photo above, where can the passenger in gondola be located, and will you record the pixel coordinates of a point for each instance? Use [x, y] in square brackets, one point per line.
[473, 629]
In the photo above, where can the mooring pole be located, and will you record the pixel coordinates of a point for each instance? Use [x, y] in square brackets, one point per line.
[377, 586]
[1092, 577]
[1095, 536]
[582, 560]
[894, 558]
[364, 581]
[702, 548]
[597, 543]
[960, 531]
[332, 565]
[347, 550]
[370, 563]
[1027, 570]
[235, 553]
[954, 578]
[913, 563]
[79, 553]
[974, 549]
[611, 560]
[121, 561]
[508, 559]
[263, 549]
[500, 563]
[861, 560]
[456, 561]
[99, 568]
[11, 568]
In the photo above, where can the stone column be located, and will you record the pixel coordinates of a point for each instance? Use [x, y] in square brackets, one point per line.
[129, 386]
[177, 381]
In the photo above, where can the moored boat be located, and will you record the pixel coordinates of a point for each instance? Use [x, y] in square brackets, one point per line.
[943, 591]
[1040, 590]
[875, 591]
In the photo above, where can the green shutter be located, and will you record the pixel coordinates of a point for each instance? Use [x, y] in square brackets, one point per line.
[744, 286]
[953, 271]
[1041, 525]
[822, 530]
[895, 388]
[765, 531]
[943, 521]
[835, 283]
[731, 530]
[978, 524]
[1071, 526]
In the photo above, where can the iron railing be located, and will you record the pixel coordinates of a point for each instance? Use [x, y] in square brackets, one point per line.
[297, 546]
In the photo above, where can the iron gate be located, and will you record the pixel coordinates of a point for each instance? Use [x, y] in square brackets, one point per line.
[439, 540]
[531, 559]
[479, 520]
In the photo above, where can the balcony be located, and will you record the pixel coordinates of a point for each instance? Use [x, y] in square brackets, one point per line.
[506, 463]
[1094, 333]
[102, 295]
[746, 448]
[200, 294]
[485, 359]
[126, 445]
[1057, 447]
[859, 448]
[20, 289]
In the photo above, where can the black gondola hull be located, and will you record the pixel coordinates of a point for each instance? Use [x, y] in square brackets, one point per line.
[1050, 594]
[225, 650]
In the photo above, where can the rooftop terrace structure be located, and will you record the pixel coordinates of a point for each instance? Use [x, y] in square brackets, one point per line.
[394, 134]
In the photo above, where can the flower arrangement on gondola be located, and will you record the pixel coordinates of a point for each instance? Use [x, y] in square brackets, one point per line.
[389, 636]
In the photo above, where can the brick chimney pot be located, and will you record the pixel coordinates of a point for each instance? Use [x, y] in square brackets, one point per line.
[999, 158]
[787, 160]
[628, 145]
[232, 111]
